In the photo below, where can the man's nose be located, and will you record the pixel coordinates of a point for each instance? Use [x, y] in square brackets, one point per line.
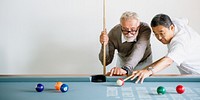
[159, 37]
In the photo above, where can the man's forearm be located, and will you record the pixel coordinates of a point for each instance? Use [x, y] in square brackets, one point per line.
[109, 55]
[160, 64]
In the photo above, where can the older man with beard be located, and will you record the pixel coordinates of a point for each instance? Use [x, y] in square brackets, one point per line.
[131, 39]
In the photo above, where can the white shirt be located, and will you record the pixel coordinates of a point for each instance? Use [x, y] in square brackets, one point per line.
[184, 48]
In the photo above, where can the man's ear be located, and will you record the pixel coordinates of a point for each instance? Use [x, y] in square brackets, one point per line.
[172, 27]
[138, 23]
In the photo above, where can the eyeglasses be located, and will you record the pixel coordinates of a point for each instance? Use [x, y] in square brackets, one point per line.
[127, 31]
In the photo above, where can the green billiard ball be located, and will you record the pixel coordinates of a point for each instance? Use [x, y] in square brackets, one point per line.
[161, 90]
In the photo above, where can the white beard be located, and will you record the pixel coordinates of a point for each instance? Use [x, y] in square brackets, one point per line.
[130, 38]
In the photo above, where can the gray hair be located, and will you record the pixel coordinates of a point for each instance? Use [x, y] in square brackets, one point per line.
[129, 15]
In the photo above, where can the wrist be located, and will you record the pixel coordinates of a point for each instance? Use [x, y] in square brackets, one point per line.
[126, 69]
[151, 70]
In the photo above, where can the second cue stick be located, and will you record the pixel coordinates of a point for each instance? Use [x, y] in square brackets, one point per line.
[104, 29]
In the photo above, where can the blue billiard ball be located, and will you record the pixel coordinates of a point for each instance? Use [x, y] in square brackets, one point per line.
[64, 88]
[39, 87]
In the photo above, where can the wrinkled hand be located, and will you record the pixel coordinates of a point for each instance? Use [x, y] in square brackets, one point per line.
[104, 37]
[140, 75]
[117, 71]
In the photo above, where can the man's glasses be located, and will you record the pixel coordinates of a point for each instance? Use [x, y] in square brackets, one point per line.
[131, 31]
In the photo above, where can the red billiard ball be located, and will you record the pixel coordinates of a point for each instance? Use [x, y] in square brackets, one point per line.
[180, 89]
[39, 87]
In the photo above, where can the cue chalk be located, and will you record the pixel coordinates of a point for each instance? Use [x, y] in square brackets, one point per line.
[98, 78]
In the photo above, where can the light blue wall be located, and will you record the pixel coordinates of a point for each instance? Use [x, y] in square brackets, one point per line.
[62, 36]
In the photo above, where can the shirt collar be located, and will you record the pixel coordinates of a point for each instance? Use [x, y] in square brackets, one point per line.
[123, 38]
[176, 30]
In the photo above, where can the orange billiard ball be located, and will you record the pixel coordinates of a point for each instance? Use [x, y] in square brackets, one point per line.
[58, 85]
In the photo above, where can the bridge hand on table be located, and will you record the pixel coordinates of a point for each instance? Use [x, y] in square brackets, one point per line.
[117, 71]
[140, 75]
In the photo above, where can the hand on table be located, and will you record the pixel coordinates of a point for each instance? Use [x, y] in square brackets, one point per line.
[104, 37]
[140, 75]
[117, 71]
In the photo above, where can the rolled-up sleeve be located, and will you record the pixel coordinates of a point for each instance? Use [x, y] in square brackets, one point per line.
[176, 52]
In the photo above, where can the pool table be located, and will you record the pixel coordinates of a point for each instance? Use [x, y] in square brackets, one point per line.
[22, 87]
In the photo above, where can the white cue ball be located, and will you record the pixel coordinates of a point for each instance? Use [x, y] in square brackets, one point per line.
[120, 82]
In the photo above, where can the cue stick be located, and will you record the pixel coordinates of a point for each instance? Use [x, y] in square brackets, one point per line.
[128, 77]
[104, 29]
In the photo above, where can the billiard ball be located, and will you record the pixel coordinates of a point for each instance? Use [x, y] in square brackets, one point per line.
[180, 89]
[161, 90]
[120, 82]
[39, 87]
[58, 85]
[64, 88]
